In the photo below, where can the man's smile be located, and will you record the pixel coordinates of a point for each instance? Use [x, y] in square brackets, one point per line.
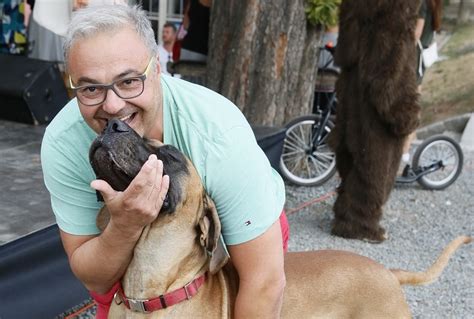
[126, 116]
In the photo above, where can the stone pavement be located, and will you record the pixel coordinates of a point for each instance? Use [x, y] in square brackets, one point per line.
[24, 200]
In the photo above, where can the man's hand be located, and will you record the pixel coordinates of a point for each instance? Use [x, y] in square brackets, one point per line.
[141, 202]
[100, 261]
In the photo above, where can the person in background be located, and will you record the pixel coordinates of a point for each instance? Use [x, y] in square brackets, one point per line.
[29, 4]
[48, 26]
[194, 45]
[111, 58]
[46, 29]
[377, 108]
[165, 48]
[325, 59]
[13, 34]
[428, 22]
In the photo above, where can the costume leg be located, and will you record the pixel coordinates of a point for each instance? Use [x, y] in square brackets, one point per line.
[344, 164]
[358, 210]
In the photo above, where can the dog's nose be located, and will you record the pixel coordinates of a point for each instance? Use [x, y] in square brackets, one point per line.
[116, 126]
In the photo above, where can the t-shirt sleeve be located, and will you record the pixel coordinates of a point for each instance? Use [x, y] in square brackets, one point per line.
[248, 193]
[73, 201]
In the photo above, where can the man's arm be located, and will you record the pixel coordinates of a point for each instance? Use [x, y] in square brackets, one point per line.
[100, 261]
[420, 23]
[259, 263]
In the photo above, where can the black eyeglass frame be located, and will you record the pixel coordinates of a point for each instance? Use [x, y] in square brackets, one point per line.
[110, 86]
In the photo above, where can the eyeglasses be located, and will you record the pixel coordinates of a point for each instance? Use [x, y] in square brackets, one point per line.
[126, 88]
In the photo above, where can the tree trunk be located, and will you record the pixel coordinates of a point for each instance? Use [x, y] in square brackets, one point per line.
[263, 57]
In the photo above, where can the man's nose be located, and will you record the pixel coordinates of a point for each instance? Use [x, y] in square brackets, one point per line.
[113, 103]
[117, 126]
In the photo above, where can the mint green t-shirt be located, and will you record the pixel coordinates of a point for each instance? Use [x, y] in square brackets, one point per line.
[209, 129]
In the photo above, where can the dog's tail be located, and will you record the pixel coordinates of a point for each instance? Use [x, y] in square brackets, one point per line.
[432, 274]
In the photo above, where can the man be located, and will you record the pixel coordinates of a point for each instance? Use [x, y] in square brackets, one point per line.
[111, 56]
[196, 19]
[165, 49]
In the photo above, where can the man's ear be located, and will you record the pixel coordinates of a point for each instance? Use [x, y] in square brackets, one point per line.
[210, 227]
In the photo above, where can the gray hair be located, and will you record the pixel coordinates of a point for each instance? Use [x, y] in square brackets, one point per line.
[95, 19]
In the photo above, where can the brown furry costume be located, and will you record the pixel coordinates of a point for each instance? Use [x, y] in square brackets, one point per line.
[377, 108]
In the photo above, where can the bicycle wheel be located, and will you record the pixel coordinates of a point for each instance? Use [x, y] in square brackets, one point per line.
[433, 150]
[302, 162]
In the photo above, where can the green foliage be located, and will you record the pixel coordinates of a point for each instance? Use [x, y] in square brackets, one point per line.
[323, 12]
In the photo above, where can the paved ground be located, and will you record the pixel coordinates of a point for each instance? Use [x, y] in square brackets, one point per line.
[24, 201]
[419, 223]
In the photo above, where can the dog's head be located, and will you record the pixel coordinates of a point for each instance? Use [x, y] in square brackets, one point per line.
[117, 156]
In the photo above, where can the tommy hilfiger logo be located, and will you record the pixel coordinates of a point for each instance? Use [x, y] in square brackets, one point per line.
[248, 222]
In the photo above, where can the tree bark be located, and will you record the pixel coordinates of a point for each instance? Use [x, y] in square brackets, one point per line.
[263, 57]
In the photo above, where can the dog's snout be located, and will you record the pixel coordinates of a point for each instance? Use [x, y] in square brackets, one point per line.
[116, 126]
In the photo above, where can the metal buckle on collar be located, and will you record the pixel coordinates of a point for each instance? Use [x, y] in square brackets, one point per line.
[138, 305]
[188, 295]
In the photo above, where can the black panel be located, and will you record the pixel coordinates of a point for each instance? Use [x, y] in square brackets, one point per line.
[31, 91]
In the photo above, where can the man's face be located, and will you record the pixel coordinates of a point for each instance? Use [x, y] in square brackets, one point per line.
[111, 56]
[168, 35]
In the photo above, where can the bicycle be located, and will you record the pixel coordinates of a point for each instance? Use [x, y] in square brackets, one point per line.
[437, 163]
[306, 158]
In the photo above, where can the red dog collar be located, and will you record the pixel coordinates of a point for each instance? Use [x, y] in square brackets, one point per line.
[163, 301]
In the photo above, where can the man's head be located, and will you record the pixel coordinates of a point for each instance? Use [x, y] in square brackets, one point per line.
[111, 54]
[169, 33]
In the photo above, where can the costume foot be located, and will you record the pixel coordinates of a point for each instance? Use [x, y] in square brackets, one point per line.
[367, 235]
[376, 240]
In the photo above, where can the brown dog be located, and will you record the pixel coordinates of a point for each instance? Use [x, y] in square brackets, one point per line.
[178, 261]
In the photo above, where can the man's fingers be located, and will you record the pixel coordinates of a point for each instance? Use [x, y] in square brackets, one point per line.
[146, 177]
[160, 184]
[150, 181]
[158, 174]
[108, 193]
[165, 184]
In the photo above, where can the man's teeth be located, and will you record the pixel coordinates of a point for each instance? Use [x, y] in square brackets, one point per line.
[126, 118]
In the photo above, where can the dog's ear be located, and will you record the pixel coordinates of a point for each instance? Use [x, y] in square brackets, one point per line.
[210, 227]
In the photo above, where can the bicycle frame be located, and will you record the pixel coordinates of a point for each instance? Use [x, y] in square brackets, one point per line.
[318, 129]
[419, 172]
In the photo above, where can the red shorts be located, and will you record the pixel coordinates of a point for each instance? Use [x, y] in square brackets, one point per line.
[285, 230]
[105, 300]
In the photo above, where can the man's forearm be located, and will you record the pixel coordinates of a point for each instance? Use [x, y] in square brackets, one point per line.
[259, 263]
[100, 262]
